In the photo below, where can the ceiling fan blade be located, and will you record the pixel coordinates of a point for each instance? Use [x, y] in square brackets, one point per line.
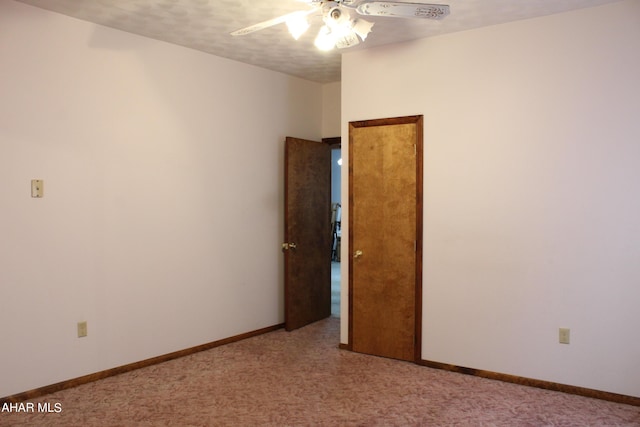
[403, 10]
[271, 22]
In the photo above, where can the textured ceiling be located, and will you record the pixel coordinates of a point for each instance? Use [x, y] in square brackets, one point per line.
[205, 25]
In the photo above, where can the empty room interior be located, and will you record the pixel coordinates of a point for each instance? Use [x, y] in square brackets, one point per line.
[158, 222]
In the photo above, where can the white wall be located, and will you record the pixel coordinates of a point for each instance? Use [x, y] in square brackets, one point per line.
[531, 202]
[331, 110]
[162, 214]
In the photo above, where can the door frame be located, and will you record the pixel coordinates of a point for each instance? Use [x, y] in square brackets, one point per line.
[335, 142]
[418, 120]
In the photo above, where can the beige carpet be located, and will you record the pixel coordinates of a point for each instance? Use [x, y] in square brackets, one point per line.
[302, 379]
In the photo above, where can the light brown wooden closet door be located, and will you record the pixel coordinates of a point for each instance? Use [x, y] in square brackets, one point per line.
[385, 217]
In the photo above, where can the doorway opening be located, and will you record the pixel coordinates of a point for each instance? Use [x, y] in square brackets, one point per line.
[336, 233]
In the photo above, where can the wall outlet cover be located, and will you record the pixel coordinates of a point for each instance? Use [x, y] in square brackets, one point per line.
[37, 188]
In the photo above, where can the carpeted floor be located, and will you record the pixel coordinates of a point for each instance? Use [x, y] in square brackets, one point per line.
[301, 378]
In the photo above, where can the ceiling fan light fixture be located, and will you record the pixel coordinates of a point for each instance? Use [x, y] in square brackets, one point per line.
[298, 24]
[325, 40]
[347, 39]
[337, 19]
[362, 28]
[339, 29]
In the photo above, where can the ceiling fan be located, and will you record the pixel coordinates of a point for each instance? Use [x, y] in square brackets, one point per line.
[340, 29]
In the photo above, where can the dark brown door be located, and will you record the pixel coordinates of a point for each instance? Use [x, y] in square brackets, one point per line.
[385, 237]
[307, 241]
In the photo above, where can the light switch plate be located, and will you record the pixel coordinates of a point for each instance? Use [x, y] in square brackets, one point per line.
[37, 188]
[82, 329]
[564, 336]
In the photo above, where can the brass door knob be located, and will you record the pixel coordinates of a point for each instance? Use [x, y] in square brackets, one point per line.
[287, 246]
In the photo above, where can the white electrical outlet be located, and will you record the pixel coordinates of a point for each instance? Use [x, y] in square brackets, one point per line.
[564, 335]
[37, 188]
